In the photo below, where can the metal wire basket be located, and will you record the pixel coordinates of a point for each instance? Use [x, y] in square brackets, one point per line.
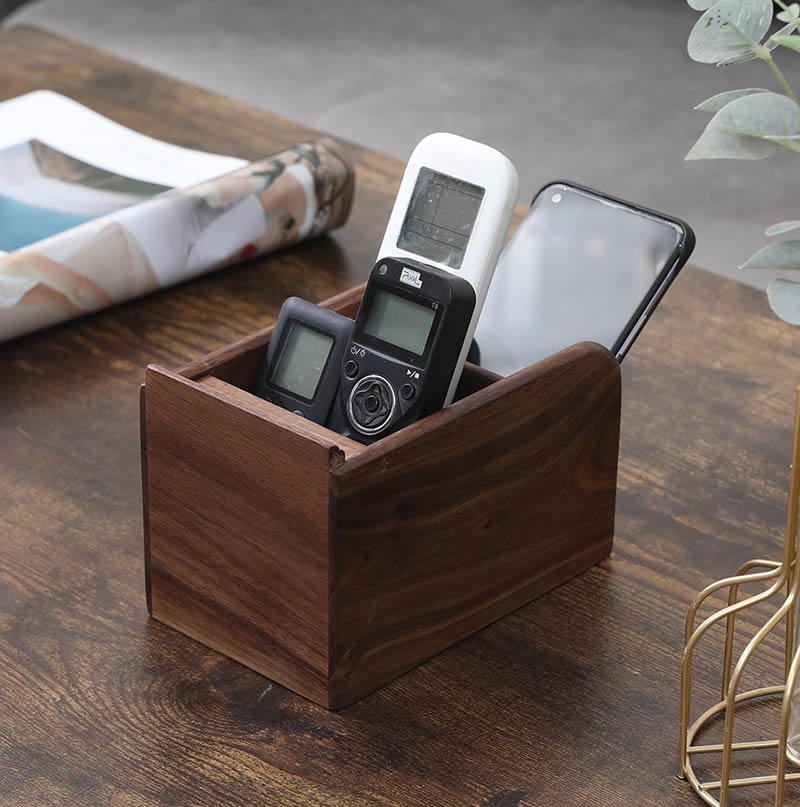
[781, 583]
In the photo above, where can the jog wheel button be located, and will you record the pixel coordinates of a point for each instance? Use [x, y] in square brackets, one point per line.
[371, 404]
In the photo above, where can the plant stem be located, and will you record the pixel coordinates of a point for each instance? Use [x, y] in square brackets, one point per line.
[776, 70]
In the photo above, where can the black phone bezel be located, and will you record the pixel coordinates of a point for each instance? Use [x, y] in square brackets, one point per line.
[677, 259]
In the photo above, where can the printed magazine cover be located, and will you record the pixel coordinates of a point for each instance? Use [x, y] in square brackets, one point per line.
[92, 213]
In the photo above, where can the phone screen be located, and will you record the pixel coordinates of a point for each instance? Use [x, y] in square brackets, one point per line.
[580, 267]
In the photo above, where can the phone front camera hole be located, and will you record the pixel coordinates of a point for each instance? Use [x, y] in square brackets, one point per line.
[556, 198]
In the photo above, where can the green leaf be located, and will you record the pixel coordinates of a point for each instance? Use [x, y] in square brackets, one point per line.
[745, 129]
[784, 299]
[791, 14]
[754, 52]
[700, 5]
[792, 42]
[747, 56]
[728, 29]
[716, 102]
[776, 38]
[782, 227]
[792, 143]
[784, 255]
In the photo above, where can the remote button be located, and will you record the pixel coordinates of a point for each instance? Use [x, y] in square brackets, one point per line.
[371, 404]
[408, 391]
[298, 412]
[351, 368]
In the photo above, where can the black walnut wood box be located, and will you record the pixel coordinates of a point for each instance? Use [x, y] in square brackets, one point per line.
[333, 567]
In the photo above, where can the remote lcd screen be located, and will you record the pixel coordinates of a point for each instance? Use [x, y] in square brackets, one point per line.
[302, 361]
[440, 218]
[399, 321]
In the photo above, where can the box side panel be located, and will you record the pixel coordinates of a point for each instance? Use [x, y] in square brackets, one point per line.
[145, 504]
[512, 494]
[238, 532]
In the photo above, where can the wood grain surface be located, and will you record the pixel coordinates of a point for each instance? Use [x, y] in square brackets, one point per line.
[334, 567]
[570, 700]
[462, 517]
[237, 535]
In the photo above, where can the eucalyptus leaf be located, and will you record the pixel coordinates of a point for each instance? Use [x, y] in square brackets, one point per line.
[792, 143]
[745, 129]
[716, 102]
[791, 14]
[700, 5]
[728, 29]
[747, 56]
[776, 38]
[783, 255]
[791, 42]
[782, 227]
[784, 299]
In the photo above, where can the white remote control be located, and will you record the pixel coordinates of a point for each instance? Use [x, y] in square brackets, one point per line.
[452, 211]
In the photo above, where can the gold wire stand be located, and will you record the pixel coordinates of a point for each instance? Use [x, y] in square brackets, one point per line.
[782, 580]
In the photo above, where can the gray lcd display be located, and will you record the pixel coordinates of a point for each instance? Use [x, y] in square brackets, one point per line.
[302, 361]
[440, 218]
[399, 321]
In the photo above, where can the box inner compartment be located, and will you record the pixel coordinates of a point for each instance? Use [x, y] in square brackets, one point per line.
[240, 368]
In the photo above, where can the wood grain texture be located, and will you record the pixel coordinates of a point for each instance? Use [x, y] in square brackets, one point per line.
[572, 699]
[244, 400]
[415, 560]
[236, 560]
[461, 518]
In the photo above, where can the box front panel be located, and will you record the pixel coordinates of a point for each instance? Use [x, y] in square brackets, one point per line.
[238, 532]
[488, 505]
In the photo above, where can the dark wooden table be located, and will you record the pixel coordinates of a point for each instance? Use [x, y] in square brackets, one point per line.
[570, 700]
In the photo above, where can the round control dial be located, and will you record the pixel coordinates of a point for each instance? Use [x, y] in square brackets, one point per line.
[371, 404]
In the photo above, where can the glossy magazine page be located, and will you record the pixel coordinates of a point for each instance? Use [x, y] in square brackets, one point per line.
[94, 214]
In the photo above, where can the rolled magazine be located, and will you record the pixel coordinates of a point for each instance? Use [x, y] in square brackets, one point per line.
[150, 241]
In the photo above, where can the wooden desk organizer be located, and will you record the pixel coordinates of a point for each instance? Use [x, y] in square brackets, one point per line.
[333, 567]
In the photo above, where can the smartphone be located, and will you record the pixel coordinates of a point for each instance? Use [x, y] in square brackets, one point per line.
[582, 265]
